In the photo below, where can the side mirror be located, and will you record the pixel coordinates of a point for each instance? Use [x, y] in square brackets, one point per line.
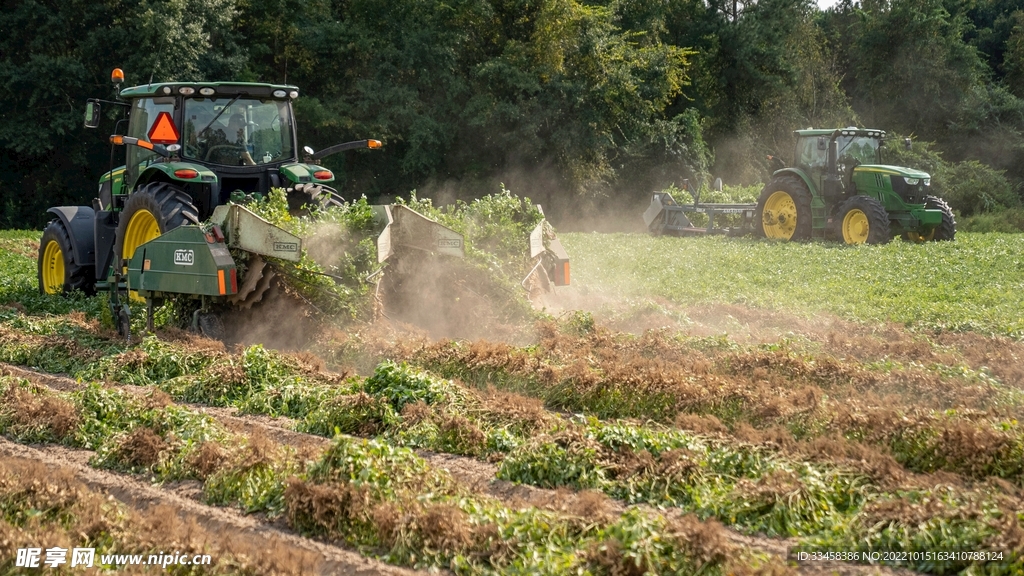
[92, 114]
[906, 144]
[822, 143]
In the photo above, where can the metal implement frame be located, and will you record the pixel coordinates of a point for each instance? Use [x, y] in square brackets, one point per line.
[666, 216]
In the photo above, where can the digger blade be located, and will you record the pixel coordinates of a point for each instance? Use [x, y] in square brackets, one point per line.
[252, 278]
[261, 289]
[257, 282]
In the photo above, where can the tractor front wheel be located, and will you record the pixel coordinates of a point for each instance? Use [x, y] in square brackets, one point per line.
[862, 220]
[784, 210]
[57, 270]
[946, 230]
[150, 211]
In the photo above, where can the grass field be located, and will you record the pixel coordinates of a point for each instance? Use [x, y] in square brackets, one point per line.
[975, 283]
[854, 399]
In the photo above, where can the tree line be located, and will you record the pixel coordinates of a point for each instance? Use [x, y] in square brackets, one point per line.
[578, 104]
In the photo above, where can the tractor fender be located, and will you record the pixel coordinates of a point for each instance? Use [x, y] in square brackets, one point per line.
[803, 176]
[166, 170]
[300, 173]
[79, 221]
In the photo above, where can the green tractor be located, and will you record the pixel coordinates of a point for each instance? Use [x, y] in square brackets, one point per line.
[173, 220]
[840, 188]
[163, 224]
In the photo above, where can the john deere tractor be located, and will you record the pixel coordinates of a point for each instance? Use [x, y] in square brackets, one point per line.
[173, 220]
[840, 188]
[163, 224]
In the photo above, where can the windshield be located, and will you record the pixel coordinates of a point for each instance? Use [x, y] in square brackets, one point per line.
[862, 148]
[237, 131]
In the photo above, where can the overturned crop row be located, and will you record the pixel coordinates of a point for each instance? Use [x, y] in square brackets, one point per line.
[755, 488]
[384, 500]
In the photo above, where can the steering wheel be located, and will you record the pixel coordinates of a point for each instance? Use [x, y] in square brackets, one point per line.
[216, 147]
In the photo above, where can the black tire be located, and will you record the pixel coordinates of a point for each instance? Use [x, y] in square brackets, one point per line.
[76, 277]
[947, 230]
[124, 324]
[211, 325]
[801, 197]
[877, 221]
[170, 206]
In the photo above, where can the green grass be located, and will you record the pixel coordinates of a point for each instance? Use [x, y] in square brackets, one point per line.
[18, 284]
[975, 283]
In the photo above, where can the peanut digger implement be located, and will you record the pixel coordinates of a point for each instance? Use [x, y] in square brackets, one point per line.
[174, 219]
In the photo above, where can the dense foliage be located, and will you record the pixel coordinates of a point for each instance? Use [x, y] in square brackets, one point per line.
[564, 100]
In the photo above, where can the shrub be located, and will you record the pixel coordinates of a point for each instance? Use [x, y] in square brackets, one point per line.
[972, 187]
[1010, 221]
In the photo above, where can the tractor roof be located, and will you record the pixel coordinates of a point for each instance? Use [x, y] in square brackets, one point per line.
[829, 131]
[228, 89]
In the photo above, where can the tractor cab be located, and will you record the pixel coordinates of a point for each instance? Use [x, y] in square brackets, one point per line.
[215, 141]
[853, 147]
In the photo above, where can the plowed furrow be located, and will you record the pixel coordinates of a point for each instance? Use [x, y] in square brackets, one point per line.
[266, 544]
[475, 474]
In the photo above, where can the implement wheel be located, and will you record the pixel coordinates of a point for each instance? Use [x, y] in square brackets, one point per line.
[862, 220]
[149, 212]
[58, 272]
[784, 210]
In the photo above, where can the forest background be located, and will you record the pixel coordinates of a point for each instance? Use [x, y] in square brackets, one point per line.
[584, 106]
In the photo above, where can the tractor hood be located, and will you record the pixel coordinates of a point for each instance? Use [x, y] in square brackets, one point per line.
[897, 170]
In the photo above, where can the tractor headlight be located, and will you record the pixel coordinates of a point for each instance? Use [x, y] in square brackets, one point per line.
[913, 181]
[927, 181]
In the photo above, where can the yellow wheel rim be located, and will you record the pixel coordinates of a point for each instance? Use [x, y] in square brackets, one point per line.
[142, 228]
[856, 227]
[53, 268]
[918, 237]
[779, 216]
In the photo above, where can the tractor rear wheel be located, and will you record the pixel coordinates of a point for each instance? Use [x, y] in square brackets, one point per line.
[862, 220]
[150, 211]
[58, 272]
[784, 209]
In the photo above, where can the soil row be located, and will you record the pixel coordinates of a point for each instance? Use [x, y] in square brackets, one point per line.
[474, 474]
[248, 541]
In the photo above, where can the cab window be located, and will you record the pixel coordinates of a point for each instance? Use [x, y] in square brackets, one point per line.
[143, 113]
[863, 149]
[809, 156]
[237, 131]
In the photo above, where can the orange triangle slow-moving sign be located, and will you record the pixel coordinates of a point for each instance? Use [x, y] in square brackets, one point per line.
[163, 130]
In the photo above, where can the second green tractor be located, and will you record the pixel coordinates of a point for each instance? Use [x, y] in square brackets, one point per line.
[838, 188]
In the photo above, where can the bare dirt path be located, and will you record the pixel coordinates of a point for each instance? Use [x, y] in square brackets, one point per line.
[474, 474]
